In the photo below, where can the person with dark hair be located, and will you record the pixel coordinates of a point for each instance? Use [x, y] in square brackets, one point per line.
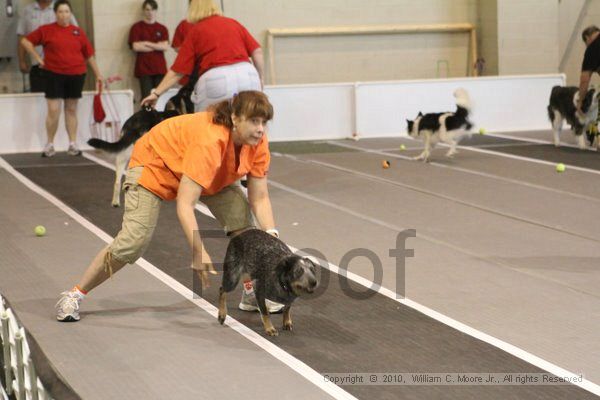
[36, 14]
[223, 49]
[591, 61]
[149, 40]
[66, 50]
[186, 158]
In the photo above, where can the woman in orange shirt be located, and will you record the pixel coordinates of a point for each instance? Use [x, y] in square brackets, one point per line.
[182, 159]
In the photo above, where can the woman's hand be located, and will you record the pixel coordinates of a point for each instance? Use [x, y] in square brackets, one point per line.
[204, 267]
[150, 101]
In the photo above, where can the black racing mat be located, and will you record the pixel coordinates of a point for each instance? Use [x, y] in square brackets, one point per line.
[304, 147]
[545, 152]
[333, 332]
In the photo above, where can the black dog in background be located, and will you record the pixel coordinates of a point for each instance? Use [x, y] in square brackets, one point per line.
[277, 274]
[563, 106]
[137, 125]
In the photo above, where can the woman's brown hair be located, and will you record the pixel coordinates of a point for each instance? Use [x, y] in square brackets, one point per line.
[247, 104]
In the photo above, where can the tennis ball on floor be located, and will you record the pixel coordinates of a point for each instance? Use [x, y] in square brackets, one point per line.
[482, 131]
[402, 147]
[39, 230]
[385, 164]
[560, 167]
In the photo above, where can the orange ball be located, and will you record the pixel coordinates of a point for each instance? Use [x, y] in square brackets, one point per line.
[385, 164]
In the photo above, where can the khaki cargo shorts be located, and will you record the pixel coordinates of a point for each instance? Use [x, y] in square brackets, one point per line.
[230, 207]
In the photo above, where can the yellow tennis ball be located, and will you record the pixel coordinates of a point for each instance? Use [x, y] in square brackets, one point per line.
[482, 131]
[39, 230]
[560, 167]
[402, 147]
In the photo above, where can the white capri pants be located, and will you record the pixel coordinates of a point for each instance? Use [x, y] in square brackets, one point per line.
[221, 83]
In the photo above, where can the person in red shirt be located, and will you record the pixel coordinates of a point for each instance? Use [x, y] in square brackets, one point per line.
[149, 40]
[179, 36]
[66, 50]
[186, 158]
[222, 48]
[181, 33]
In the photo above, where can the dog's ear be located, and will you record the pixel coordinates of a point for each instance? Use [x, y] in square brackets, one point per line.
[288, 263]
[420, 114]
[310, 264]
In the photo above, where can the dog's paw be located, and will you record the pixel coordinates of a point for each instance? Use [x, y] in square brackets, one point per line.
[116, 205]
[288, 326]
[221, 318]
[272, 332]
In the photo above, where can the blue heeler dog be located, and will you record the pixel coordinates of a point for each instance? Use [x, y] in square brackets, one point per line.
[277, 274]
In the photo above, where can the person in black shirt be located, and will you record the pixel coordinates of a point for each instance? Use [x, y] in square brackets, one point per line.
[591, 60]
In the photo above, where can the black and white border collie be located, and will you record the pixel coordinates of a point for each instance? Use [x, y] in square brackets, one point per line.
[563, 103]
[446, 127]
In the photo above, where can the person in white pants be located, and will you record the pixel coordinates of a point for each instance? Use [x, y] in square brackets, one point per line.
[228, 59]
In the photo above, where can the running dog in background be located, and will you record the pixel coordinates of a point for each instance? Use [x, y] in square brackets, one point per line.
[446, 127]
[277, 274]
[563, 106]
[135, 127]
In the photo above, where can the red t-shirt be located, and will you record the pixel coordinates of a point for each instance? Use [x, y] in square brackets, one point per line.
[153, 62]
[66, 48]
[181, 32]
[214, 41]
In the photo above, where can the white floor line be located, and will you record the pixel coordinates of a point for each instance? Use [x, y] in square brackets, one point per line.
[76, 164]
[444, 197]
[529, 159]
[500, 344]
[533, 140]
[468, 171]
[298, 366]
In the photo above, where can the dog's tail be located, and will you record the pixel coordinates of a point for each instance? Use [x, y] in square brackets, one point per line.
[113, 147]
[463, 106]
[463, 103]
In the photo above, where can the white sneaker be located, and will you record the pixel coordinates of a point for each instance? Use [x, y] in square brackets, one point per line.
[48, 150]
[248, 303]
[73, 150]
[67, 308]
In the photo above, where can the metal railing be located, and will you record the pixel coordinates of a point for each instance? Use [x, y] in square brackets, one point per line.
[20, 378]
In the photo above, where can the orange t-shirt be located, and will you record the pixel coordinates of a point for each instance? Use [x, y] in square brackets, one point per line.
[192, 145]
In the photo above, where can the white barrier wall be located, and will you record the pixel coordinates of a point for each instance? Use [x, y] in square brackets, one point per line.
[328, 111]
[500, 104]
[23, 119]
[311, 112]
